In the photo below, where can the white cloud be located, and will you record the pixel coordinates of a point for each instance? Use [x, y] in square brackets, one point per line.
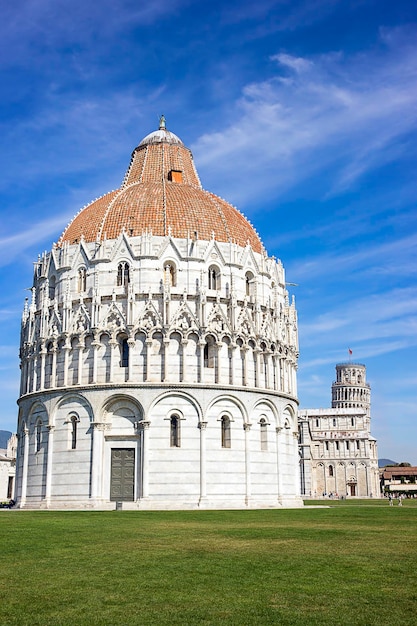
[396, 256]
[43, 25]
[13, 246]
[298, 64]
[372, 325]
[336, 115]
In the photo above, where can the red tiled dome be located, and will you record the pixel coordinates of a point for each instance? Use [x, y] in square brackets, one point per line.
[162, 194]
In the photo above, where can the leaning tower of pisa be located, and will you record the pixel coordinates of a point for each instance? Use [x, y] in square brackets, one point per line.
[350, 389]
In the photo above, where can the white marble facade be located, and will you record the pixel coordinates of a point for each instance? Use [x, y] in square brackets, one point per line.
[158, 371]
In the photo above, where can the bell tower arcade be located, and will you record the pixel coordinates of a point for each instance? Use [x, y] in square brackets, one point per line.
[350, 389]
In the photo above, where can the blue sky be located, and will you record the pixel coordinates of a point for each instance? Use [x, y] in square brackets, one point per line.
[301, 113]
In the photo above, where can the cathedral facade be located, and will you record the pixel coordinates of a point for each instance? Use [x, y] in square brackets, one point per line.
[158, 353]
[338, 455]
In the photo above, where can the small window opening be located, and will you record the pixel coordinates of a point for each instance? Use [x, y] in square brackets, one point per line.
[209, 353]
[213, 278]
[10, 487]
[82, 279]
[249, 284]
[124, 353]
[123, 275]
[52, 282]
[175, 431]
[38, 436]
[225, 428]
[330, 470]
[74, 422]
[175, 176]
[264, 434]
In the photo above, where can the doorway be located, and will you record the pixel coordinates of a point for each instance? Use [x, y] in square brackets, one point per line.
[122, 477]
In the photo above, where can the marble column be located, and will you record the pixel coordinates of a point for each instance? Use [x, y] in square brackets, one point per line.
[203, 471]
[43, 360]
[66, 349]
[113, 346]
[53, 373]
[80, 363]
[148, 358]
[48, 489]
[256, 353]
[25, 434]
[278, 431]
[232, 352]
[201, 345]
[248, 486]
[183, 377]
[245, 366]
[35, 373]
[97, 460]
[296, 464]
[217, 354]
[130, 373]
[165, 361]
[144, 425]
[96, 348]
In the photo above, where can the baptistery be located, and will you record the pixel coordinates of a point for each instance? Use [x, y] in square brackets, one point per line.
[158, 353]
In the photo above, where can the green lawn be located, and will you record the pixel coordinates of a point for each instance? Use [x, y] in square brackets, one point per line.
[351, 562]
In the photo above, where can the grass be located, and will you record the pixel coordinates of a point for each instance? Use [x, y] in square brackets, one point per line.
[352, 562]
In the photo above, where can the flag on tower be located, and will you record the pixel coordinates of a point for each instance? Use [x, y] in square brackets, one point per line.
[350, 351]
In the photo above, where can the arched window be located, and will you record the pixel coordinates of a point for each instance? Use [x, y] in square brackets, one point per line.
[330, 470]
[352, 421]
[214, 277]
[49, 358]
[175, 431]
[74, 422]
[170, 274]
[317, 423]
[124, 353]
[264, 433]
[334, 422]
[249, 280]
[225, 426]
[209, 352]
[82, 279]
[123, 274]
[38, 435]
[52, 282]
